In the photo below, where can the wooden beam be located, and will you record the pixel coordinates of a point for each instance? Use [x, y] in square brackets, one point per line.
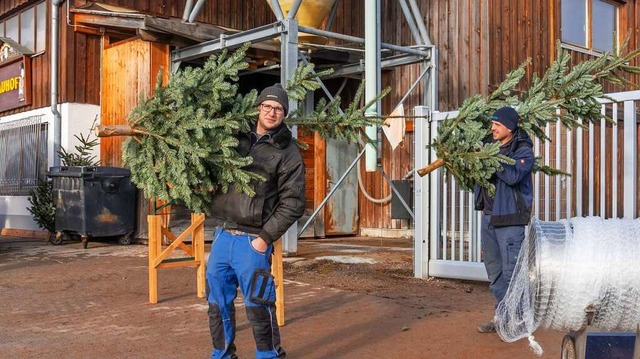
[24, 233]
[164, 38]
[158, 257]
[87, 30]
[110, 21]
[319, 182]
[198, 249]
[154, 250]
[148, 27]
[198, 32]
[277, 270]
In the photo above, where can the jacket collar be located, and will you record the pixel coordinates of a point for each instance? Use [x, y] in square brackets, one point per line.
[279, 137]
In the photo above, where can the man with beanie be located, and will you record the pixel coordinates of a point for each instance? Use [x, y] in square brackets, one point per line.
[507, 212]
[247, 227]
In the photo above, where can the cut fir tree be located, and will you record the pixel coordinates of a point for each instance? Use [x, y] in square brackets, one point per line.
[569, 94]
[182, 140]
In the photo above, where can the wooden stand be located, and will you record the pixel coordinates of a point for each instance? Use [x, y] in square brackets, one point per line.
[158, 258]
[277, 270]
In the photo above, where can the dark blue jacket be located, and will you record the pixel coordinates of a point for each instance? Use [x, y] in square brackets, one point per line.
[514, 185]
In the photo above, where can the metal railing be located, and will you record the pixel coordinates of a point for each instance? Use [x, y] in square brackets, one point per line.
[23, 155]
[602, 162]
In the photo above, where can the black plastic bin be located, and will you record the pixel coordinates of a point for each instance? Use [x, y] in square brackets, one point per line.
[93, 202]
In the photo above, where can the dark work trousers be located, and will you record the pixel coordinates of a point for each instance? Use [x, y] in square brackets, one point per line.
[234, 262]
[500, 249]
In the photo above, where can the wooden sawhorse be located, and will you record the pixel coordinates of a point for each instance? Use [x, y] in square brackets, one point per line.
[158, 258]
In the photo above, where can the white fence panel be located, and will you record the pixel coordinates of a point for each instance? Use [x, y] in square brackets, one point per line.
[602, 162]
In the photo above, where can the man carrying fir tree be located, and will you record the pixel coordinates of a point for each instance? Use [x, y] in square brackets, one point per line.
[507, 212]
[248, 226]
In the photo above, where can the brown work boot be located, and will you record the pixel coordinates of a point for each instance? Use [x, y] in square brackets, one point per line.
[488, 327]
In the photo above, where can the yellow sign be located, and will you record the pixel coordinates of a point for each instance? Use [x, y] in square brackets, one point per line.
[11, 84]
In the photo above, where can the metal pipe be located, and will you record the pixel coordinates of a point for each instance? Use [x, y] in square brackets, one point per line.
[359, 40]
[326, 198]
[332, 15]
[293, 11]
[57, 118]
[324, 88]
[420, 21]
[227, 42]
[289, 60]
[413, 86]
[277, 10]
[187, 10]
[391, 61]
[196, 10]
[411, 22]
[431, 92]
[372, 76]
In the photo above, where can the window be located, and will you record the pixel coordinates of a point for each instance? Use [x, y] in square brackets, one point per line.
[12, 29]
[27, 29]
[23, 155]
[606, 20]
[22, 27]
[41, 21]
[590, 24]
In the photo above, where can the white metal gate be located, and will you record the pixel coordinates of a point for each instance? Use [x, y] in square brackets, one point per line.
[601, 158]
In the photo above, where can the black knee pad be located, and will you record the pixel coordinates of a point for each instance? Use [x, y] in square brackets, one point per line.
[265, 328]
[214, 310]
[215, 326]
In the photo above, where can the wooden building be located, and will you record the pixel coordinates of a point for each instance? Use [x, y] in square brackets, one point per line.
[109, 53]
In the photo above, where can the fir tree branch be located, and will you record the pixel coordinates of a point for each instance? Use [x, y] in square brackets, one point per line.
[184, 139]
[568, 94]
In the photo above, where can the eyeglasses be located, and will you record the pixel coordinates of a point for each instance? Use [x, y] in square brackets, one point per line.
[267, 108]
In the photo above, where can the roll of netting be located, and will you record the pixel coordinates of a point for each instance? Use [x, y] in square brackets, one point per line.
[569, 268]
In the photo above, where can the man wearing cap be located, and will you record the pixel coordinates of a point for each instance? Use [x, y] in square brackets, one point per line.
[247, 227]
[507, 212]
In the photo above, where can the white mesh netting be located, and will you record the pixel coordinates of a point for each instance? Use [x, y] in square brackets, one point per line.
[568, 266]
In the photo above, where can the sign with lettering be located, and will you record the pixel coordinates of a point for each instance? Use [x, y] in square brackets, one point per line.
[14, 84]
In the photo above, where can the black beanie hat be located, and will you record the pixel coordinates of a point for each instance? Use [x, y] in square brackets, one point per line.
[275, 93]
[506, 116]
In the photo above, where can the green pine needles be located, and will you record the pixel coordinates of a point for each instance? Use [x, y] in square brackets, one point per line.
[83, 156]
[183, 138]
[184, 148]
[326, 119]
[42, 207]
[567, 93]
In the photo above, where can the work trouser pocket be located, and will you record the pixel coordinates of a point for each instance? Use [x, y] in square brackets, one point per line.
[513, 251]
[262, 290]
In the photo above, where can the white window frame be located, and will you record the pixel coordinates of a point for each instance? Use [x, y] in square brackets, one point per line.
[588, 47]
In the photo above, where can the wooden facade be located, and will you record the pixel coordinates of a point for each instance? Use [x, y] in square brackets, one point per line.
[79, 63]
[477, 41]
[129, 71]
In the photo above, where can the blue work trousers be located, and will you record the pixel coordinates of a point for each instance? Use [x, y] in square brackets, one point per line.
[234, 262]
[500, 250]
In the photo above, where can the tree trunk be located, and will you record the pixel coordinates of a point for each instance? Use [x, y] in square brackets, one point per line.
[115, 130]
[431, 167]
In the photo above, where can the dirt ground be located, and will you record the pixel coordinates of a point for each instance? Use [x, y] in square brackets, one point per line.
[68, 302]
